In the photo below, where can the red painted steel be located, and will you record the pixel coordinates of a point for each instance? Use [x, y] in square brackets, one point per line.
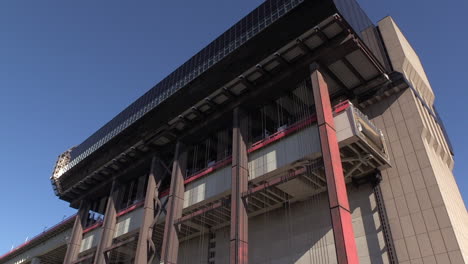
[131, 208]
[108, 226]
[91, 228]
[239, 185]
[344, 235]
[164, 193]
[261, 144]
[281, 134]
[345, 243]
[170, 246]
[275, 181]
[74, 243]
[204, 172]
[333, 169]
[199, 212]
[37, 237]
[220, 164]
[146, 230]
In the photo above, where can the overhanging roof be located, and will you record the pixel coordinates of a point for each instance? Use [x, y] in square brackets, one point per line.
[251, 41]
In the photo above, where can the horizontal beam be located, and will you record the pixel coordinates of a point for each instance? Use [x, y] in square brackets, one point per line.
[199, 212]
[274, 182]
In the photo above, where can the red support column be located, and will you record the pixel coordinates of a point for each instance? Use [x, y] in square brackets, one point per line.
[73, 245]
[108, 227]
[170, 248]
[239, 184]
[345, 243]
[146, 230]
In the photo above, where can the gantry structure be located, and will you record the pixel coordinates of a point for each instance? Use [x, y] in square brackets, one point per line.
[303, 134]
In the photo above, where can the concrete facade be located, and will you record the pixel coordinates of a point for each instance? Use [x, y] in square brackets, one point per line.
[301, 233]
[425, 209]
[263, 197]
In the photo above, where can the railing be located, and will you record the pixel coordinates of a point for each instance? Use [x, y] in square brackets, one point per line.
[366, 119]
[131, 207]
[210, 169]
[369, 130]
[45, 232]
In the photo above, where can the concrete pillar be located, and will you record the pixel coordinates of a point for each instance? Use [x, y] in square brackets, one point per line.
[239, 184]
[35, 261]
[146, 229]
[345, 243]
[74, 243]
[108, 227]
[170, 247]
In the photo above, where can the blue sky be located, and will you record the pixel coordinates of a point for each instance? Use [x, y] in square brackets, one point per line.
[68, 67]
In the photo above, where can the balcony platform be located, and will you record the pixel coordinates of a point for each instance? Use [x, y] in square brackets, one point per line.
[349, 67]
[296, 176]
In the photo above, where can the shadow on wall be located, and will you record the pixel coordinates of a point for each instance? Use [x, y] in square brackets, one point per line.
[302, 233]
[299, 233]
[379, 111]
[366, 223]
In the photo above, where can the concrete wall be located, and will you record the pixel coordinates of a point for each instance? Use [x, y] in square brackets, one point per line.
[91, 239]
[426, 212]
[304, 143]
[276, 155]
[208, 186]
[129, 222]
[194, 251]
[300, 234]
[404, 58]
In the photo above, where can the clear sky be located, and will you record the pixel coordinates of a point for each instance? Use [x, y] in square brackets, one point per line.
[67, 67]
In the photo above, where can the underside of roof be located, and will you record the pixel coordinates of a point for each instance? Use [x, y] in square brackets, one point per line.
[277, 37]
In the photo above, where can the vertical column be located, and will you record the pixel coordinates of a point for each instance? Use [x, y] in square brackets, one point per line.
[239, 185]
[170, 248]
[108, 227]
[222, 145]
[345, 243]
[146, 229]
[74, 244]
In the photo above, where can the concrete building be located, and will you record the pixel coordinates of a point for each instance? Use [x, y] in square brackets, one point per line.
[303, 134]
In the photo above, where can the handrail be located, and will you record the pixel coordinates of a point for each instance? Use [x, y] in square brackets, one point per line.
[45, 232]
[131, 207]
[219, 164]
[366, 119]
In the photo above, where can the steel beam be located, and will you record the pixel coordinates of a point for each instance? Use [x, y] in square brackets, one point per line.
[141, 254]
[74, 244]
[239, 182]
[345, 243]
[108, 227]
[200, 212]
[274, 182]
[175, 205]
